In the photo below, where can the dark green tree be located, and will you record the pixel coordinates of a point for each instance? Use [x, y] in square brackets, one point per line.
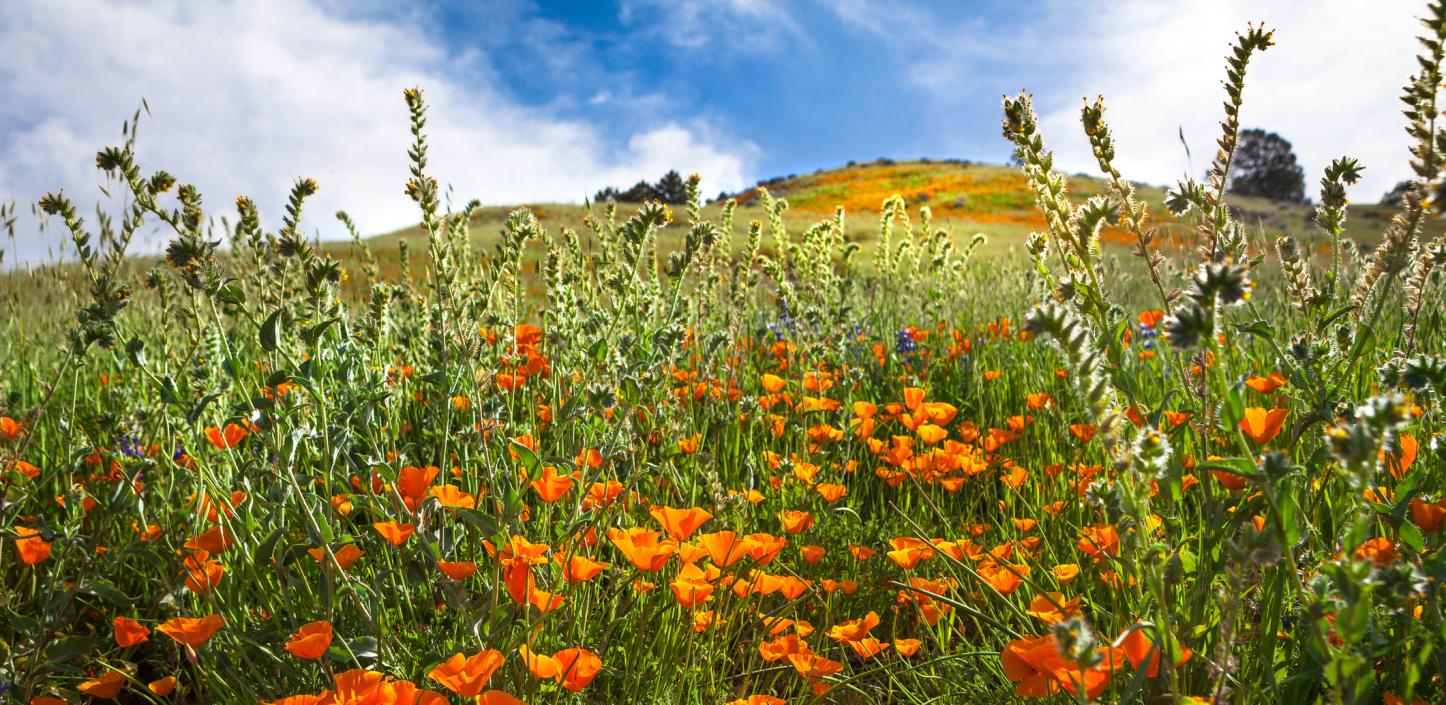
[1265, 166]
[672, 189]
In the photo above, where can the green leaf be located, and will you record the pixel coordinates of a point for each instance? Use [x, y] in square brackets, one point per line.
[107, 592]
[528, 458]
[1259, 329]
[269, 331]
[231, 294]
[72, 646]
[1412, 537]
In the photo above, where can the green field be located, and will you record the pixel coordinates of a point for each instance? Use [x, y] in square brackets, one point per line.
[736, 452]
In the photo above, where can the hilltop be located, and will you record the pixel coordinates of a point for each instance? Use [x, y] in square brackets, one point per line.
[964, 197]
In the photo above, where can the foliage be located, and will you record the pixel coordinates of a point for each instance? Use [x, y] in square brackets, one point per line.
[588, 467]
[1265, 166]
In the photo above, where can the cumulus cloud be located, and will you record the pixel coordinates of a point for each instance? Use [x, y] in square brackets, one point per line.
[246, 96]
[1330, 85]
[743, 26]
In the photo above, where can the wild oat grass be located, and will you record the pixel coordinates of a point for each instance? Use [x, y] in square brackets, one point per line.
[758, 469]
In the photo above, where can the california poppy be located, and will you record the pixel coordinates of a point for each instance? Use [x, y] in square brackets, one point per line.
[468, 675]
[551, 486]
[1141, 648]
[192, 631]
[311, 640]
[1263, 425]
[162, 686]
[1267, 384]
[644, 548]
[680, 523]
[106, 686]
[226, 437]
[457, 570]
[395, 533]
[795, 521]
[129, 632]
[498, 697]
[691, 587]
[31, 547]
[576, 668]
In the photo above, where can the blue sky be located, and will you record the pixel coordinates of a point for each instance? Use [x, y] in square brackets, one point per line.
[550, 101]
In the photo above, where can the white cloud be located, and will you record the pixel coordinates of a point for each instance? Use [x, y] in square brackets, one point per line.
[743, 26]
[247, 96]
[1330, 85]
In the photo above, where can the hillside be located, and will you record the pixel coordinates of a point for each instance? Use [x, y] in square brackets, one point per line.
[965, 198]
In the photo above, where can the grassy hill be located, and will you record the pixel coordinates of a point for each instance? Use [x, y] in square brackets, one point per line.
[964, 198]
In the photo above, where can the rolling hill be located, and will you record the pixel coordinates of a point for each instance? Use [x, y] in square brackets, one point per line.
[964, 197]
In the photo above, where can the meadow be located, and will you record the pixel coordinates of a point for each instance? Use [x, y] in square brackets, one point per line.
[902, 432]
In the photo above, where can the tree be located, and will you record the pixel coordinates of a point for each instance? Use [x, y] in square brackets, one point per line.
[672, 189]
[1265, 166]
[1396, 197]
[641, 191]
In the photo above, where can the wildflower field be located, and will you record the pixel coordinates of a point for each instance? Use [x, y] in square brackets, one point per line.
[868, 460]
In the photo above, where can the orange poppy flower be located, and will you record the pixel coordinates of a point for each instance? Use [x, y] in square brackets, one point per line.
[1065, 573]
[226, 437]
[412, 484]
[913, 398]
[814, 667]
[907, 647]
[758, 700]
[691, 587]
[468, 675]
[551, 486]
[679, 523]
[1379, 550]
[395, 533]
[192, 631]
[106, 686]
[795, 521]
[10, 429]
[452, 497]
[766, 547]
[202, 573]
[1141, 649]
[1428, 516]
[1051, 607]
[129, 632]
[162, 686]
[1265, 385]
[457, 570]
[725, 547]
[579, 569]
[1099, 541]
[642, 547]
[577, 668]
[1399, 463]
[26, 469]
[498, 697]
[1263, 425]
[1039, 670]
[311, 640]
[1039, 400]
[31, 547]
[854, 629]
[323, 698]
[689, 445]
